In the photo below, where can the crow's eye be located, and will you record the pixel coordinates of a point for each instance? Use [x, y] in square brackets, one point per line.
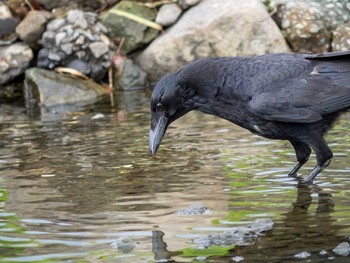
[159, 106]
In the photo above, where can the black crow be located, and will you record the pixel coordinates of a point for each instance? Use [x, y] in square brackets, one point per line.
[294, 97]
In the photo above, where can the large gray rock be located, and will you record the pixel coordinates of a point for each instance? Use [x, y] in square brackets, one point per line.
[14, 60]
[228, 28]
[308, 24]
[48, 88]
[32, 27]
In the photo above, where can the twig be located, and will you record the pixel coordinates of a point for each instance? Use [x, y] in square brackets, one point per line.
[29, 4]
[111, 86]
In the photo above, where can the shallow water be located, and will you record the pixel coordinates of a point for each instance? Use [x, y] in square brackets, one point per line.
[71, 185]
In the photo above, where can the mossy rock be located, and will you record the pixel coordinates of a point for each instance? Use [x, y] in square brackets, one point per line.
[120, 21]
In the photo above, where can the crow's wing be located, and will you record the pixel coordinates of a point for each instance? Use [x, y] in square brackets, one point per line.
[303, 97]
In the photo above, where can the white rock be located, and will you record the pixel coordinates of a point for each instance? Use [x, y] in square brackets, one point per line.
[343, 249]
[238, 258]
[302, 255]
[168, 14]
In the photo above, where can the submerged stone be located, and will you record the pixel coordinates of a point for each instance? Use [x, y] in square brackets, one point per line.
[48, 88]
[240, 236]
[196, 209]
[124, 244]
[343, 249]
[302, 255]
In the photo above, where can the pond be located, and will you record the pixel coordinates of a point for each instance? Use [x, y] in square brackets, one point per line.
[74, 183]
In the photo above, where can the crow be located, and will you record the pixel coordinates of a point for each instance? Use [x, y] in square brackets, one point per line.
[294, 97]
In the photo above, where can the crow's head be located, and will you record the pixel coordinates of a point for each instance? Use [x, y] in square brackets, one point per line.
[170, 100]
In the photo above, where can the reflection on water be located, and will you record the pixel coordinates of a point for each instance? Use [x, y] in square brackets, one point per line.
[72, 184]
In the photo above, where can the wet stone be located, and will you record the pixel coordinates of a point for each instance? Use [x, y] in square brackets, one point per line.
[237, 259]
[343, 249]
[196, 209]
[262, 224]
[240, 236]
[302, 255]
[48, 88]
[124, 244]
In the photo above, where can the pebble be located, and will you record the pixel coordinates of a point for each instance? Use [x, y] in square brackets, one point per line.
[195, 209]
[237, 258]
[124, 244]
[168, 14]
[302, 255]
[343, 249]
[98, 116]
[98, 49]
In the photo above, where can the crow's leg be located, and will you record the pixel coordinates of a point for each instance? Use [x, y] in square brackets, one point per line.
[323, 155]
[302, 151]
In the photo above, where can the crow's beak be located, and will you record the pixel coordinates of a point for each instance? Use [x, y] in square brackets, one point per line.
[158, 128]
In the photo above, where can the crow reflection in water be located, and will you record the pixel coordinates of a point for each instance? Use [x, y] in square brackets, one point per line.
[294, 97]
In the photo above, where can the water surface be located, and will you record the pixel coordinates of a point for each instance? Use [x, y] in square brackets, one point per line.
[71, 184]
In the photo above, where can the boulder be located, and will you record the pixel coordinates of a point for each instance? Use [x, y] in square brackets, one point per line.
[14, 60]
[308, 25]
[48, 88]
[128, 20]
[228, 28]
[32, 27]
